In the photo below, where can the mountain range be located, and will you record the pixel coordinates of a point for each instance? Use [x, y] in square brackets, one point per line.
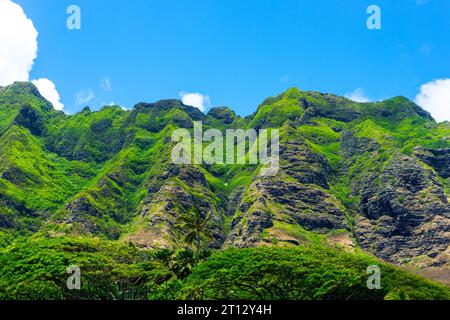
[364, 179]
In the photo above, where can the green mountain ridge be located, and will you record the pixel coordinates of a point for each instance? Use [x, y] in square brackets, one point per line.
[363, 180]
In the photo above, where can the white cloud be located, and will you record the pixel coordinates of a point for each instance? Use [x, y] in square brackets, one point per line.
[358, 96]
[18, 50]
[18, 43]
[48, 90]
[434, 97]
[105, 84]
[113, 104]
[196, 100]
[85, 96]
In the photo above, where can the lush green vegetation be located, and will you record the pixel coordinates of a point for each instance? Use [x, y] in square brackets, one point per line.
[307, 273]
[96, 189]
[36, 268]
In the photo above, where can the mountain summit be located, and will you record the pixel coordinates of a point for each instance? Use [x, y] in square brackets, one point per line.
[361, 176]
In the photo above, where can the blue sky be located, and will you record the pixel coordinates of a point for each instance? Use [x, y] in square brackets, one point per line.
[237, 52]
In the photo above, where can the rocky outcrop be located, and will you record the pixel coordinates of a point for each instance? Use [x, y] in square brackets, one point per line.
[298, 196]
[268, 201]
[439, 159]
[184, 191]
[353, 146]
[404, 212]
[299, 162]
[346, 174]
[223, 114]
[81, 213]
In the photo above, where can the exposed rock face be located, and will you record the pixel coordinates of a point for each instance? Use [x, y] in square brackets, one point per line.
[341, 114]
[184, 189]
[438, 159]
[403, 209]
[80, 212]
[234, 201]
[307, 167]
[353, 146]
[297, 196]
[405, 213]
[267, 201]
[348, 172]
[223, 114]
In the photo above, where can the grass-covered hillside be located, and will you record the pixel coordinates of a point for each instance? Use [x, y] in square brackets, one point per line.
[97, 189]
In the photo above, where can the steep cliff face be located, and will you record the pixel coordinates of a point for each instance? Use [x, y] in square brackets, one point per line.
[405, 214]
[281, 209]
[182, 191]
[364, 173]
[372, 175]
[439, 159]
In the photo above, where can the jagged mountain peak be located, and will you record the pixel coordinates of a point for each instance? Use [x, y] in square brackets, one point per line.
[223, 114]
[398, 107]
[166, 105]
[295, 104]
[24, 88]
[370, 172]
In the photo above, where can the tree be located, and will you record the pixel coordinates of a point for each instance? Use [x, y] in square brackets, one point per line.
[196, 226]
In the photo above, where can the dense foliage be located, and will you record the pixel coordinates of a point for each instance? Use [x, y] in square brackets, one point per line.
[97, 189]
[36, 268]
[307, 273]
